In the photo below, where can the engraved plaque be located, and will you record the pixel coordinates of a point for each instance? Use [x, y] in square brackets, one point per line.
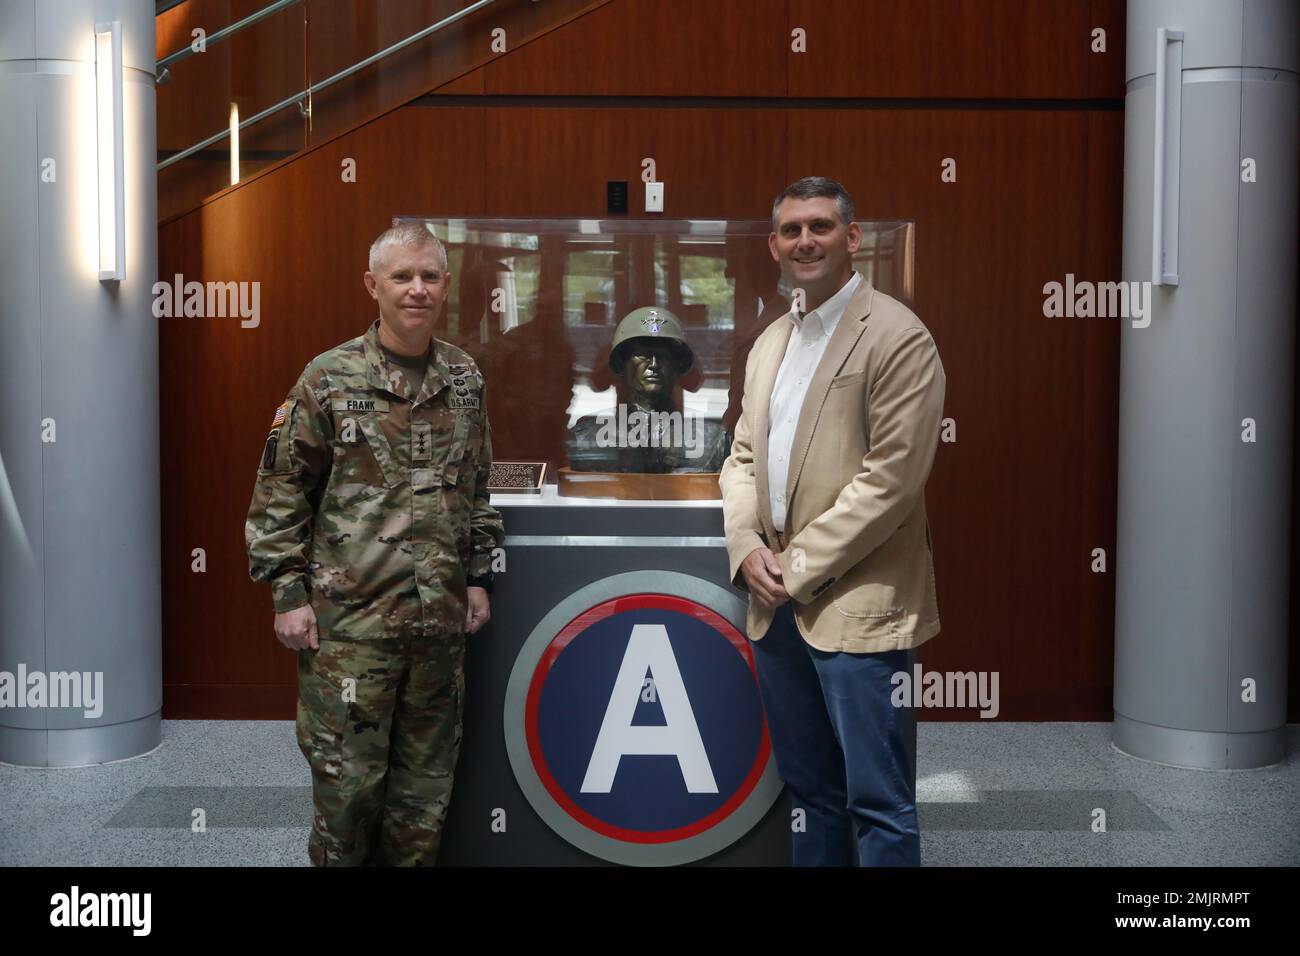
[517, 477]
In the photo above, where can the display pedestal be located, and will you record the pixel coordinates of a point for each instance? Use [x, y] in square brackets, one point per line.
[614, 621]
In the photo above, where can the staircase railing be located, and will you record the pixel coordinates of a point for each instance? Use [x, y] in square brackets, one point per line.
[226, 99]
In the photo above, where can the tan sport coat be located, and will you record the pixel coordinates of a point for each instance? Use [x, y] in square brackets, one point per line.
[856, 556]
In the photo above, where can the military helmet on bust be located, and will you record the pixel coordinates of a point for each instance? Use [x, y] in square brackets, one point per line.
[655, 324]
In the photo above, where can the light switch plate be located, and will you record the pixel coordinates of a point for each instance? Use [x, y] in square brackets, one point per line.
[654, 197]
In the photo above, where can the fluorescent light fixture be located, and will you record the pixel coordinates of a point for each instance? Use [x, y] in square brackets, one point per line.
[108, 139]
[234, 143]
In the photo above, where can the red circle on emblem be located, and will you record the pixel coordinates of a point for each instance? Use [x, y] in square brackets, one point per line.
[618, 605]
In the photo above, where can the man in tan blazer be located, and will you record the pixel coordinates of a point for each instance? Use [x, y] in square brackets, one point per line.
[824, 504]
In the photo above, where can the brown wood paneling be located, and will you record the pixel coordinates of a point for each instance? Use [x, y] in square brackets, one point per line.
[1016, 504]
[344, 34]
[243, 701]
[555, 161]
[304, 45]
[255, 68]
[957, 48]
[1097, 505]
[468, 85]
[855, 48]
[303, 234]
[1027, 490]
[653, 48]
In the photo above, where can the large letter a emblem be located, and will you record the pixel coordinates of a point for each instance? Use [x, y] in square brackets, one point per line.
[650, 649]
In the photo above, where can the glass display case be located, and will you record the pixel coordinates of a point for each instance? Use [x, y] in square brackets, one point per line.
[562, 315]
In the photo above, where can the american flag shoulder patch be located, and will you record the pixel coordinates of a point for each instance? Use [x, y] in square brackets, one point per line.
[280, 413]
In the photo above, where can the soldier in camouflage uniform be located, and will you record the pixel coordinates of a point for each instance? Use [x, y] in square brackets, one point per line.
[371, 521]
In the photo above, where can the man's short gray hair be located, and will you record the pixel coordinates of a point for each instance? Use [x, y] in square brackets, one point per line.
[406, 234]
[813, 186]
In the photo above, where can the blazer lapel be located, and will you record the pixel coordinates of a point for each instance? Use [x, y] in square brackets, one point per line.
[763, 384]
[847, 332]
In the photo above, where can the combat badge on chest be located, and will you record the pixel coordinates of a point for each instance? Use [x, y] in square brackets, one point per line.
[464, 388]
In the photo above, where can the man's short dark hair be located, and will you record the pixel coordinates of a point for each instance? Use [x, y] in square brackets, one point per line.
[813, 186]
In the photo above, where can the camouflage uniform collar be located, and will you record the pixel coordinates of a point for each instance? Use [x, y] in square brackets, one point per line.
[385, 377]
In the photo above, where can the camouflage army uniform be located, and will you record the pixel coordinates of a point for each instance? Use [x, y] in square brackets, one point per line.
[371, 504]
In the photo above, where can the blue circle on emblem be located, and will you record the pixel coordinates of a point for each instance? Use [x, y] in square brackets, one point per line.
[676, 703]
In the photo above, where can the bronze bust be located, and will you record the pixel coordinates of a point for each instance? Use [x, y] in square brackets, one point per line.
[646, 433]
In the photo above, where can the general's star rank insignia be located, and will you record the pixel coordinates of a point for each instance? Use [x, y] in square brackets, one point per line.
[421, 442]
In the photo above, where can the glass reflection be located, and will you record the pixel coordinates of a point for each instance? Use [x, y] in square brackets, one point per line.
[549, 308]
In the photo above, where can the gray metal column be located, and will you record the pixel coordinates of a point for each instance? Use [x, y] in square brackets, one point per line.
[79, 505]
[1204, 495]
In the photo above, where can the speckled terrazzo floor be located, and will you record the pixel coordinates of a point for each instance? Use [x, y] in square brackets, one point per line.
[1002, 794]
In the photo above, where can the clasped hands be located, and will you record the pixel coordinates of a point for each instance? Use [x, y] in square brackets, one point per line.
[762, 573]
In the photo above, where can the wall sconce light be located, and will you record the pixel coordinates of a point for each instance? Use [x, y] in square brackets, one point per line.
[108, 139]
[234, 143]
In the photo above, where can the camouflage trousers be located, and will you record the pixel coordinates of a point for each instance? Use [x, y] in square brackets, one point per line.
[379, 721]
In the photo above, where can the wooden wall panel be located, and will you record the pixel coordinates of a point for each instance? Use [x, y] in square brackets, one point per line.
[1090, 656]
[302, 45]
[970, 49]
[303, 234]
[855, 48]
[255, 68]
[653, 48]
[344, 34]
[531, 169]
[1016, 504]
[1034, 399]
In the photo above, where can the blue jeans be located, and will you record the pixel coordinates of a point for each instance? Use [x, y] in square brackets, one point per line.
[846, 753]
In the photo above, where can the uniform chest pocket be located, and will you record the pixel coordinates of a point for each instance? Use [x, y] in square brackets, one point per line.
[462, 453]
[360, 452]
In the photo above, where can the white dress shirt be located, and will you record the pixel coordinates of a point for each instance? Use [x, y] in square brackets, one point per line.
[804, 351]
